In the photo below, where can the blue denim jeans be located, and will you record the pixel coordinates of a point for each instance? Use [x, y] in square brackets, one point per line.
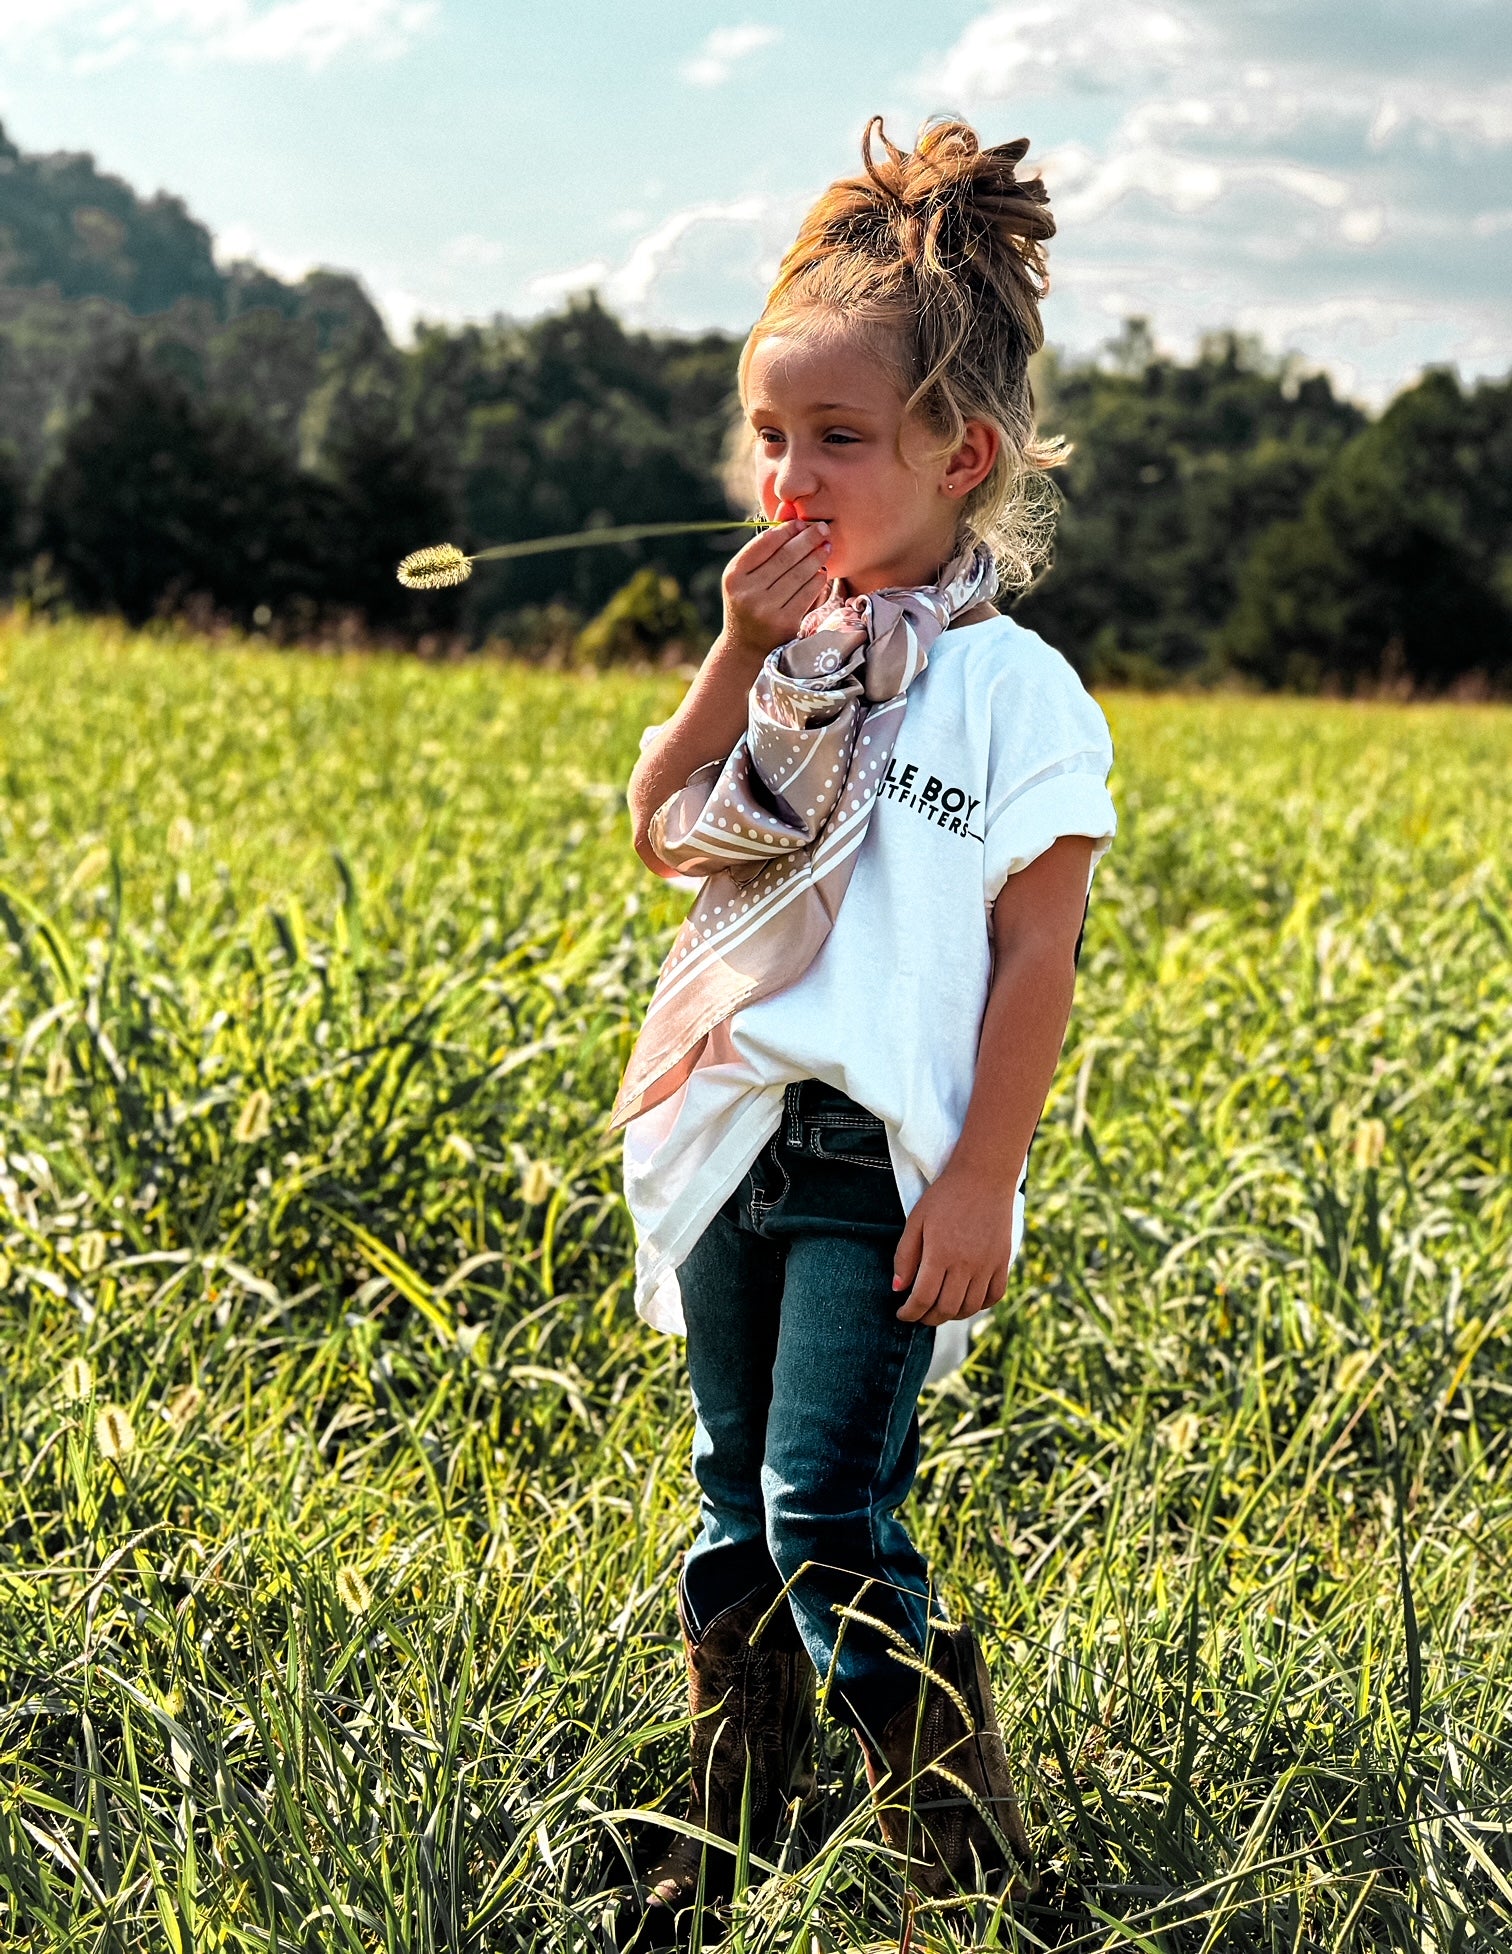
[806, 1389]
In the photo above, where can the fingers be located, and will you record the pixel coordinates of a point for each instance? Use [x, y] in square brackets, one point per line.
[781, 546]
[984, 1293]
[906, 1255]
[980, 1295]
[762, 546]
[803, 555]
[950, 1299]
[802, 581]
[769, 584]
[942, 1295]
[925, 1290]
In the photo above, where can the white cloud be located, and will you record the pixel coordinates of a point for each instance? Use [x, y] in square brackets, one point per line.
[234, 242]
[631, 284]
[23, 23]
[471, 249]
[1363, 226]
[1484, 113]
[724, 47]
[628, 286]
[403, 310]
[1371, 342]
[1087, 187]
[1088, 44]
[310, 32]
[1090, 186]
[1327, 173]
[551, 287]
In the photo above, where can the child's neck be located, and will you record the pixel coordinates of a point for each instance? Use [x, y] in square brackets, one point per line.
[914, 569]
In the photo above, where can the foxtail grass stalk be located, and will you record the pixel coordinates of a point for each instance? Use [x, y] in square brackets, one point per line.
[441, 565]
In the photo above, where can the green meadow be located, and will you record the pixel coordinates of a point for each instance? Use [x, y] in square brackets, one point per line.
[341, 1493]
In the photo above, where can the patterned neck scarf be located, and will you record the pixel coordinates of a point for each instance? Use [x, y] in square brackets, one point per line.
[776, 828]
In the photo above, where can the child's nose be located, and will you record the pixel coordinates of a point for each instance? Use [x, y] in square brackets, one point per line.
[795, 479]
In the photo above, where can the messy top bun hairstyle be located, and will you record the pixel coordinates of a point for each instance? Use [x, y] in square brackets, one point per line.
[935, 258]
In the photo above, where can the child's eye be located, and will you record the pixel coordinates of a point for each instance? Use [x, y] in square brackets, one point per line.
[835, 437]
[768, 434]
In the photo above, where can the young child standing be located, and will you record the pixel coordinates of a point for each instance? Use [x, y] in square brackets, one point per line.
[894, 797]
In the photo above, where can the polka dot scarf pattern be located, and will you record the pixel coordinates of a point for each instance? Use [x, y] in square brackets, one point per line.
[775, 829]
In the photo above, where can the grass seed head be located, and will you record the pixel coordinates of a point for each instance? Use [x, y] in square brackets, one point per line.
[437, 567]
[535, 1183]
[114, 1437]
[1369, 1142]
[183, 1405]
[1182, 1432]
[255, 1119]
[77, 1380]
[354, 1590]
[90, 869]
[1351, 1369]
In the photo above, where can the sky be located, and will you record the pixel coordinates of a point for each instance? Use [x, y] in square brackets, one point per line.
[1334, 176]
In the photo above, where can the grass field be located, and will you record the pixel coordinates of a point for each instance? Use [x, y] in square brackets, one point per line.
[342, 1494]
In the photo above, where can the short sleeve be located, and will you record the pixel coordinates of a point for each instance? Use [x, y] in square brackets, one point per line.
[1051, 756]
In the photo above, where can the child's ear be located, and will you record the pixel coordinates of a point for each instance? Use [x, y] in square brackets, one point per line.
[971, 462]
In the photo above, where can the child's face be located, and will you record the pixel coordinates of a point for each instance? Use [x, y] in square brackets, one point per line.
[834, 444]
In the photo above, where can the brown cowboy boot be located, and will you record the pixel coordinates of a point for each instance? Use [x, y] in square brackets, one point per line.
[752, 1708]
[957, 1823]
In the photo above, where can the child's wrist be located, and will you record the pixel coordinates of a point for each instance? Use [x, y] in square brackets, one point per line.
[988, 1166]
[741, 645]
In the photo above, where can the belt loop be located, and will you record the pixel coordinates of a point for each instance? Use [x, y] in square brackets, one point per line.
[793, 1109]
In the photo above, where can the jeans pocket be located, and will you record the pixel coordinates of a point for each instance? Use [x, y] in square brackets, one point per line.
[836, 1171]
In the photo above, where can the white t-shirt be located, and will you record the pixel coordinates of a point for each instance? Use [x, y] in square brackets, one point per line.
[1001, 752]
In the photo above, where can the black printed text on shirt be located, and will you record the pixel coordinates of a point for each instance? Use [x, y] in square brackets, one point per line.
[949, 808]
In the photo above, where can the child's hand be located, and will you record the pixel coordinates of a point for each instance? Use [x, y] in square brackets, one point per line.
[955, 1249]
[772, 582]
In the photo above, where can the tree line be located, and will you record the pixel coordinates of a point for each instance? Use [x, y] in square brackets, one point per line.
[175, 434]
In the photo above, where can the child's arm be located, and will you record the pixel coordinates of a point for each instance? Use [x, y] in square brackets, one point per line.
[768, 586]
[955, 1249]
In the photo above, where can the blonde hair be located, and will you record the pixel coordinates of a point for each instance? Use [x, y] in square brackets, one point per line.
[935, 260]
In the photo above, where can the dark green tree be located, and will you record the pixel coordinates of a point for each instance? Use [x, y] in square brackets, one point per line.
[1176, 469]
[157, 498]
[12, 514]
[64, 223]
[1399, 565]
[574, 422]
[387, 498]
[182, 429]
